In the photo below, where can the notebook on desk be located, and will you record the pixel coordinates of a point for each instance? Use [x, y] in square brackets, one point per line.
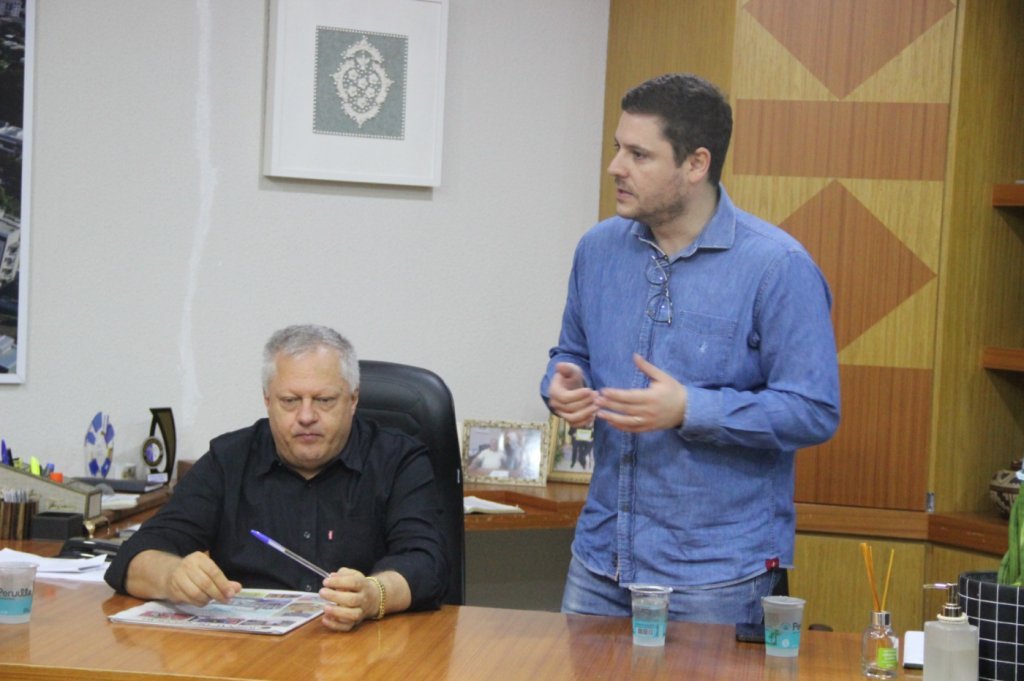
[124, 485]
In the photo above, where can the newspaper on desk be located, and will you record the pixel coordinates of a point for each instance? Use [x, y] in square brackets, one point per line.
[253, 611]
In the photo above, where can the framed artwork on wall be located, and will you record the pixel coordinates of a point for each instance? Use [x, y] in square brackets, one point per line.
[505, 452]
[17, 22]
[355, 90]
[571, 456]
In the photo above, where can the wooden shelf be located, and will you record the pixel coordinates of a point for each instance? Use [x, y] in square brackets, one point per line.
[983, 532]
[558, 505]
[1006, 359]
[861, 521]
[1008, 195]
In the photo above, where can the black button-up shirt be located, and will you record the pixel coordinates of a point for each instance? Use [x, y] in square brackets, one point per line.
[375, 507]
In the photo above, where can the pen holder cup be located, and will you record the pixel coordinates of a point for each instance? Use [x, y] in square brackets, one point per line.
[16, 519]
[57, 525]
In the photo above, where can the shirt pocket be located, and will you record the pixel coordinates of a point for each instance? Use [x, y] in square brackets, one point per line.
[701, 346]
[356, 543]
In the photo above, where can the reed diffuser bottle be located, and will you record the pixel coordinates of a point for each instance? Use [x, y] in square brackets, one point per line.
[880, 648]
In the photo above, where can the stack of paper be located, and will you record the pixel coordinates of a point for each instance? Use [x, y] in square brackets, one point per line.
[75, 569]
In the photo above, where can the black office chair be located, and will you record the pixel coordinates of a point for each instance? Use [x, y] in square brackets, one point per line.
[417, 402]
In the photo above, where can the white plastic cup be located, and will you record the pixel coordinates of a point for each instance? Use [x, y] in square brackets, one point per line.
[650, 614]
[783, 619]
[17, 582]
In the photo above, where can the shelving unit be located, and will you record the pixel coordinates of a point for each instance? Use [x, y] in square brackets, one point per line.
[1005, 359]
[984, 532]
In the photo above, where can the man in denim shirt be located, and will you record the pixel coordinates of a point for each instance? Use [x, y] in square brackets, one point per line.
[697, 338]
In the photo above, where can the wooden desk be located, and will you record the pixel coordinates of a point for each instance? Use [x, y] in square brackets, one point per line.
[70, 639]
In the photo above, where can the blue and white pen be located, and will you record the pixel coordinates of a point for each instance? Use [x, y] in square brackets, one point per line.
[291, 554]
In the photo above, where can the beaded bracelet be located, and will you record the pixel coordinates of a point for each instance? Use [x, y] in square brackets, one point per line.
[383, 597]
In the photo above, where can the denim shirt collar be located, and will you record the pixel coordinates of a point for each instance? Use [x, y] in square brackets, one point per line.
[718, 234]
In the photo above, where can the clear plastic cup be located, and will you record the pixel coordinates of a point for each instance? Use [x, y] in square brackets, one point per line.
[650, 614]
[783, 619]
[17, 583]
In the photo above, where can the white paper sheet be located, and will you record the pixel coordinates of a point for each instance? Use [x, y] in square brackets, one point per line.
[77, 569]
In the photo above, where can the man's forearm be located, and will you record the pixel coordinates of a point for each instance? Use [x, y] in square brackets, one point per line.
[149, 574]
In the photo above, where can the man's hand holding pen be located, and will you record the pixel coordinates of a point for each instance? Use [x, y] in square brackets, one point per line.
[353, 597]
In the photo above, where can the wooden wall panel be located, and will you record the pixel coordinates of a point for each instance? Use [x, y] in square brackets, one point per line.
[978, 413]
[879, 456]
[880, 140]
[832, 577]
[802, 116]
[869, 269]
[845, 42]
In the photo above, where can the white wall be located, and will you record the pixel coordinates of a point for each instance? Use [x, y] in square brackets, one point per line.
[161, 258]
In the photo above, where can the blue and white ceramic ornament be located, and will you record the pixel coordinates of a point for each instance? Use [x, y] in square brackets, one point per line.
[99, 445]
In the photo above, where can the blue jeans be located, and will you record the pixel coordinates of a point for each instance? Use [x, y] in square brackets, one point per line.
[589, 594]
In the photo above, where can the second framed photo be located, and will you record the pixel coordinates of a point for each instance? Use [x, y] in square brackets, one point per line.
[571, 456]
[505, 452]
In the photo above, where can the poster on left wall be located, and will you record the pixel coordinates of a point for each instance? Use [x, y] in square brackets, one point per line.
[17, 30]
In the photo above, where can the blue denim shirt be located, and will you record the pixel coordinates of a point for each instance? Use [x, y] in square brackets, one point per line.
[751, 339]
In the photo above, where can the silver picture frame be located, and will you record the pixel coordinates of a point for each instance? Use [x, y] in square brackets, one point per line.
[505, 452]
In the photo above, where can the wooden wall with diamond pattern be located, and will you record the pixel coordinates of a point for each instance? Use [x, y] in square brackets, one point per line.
[841, 117]
[846, 136]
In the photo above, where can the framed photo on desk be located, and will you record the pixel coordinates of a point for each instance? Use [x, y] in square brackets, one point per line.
[571, 457]
[505, 452]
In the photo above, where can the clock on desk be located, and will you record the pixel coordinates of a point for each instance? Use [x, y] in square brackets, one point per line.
[160, 450]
